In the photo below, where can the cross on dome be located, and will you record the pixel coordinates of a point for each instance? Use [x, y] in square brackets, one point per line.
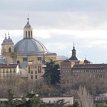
[28, 20]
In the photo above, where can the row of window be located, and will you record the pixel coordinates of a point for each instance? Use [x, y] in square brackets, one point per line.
[90, 76]
[33, 77]
[34, 66]
[8, 71]
[87, 70]
[34, 72]
[9, 50]
[7, 76]
[66, 71]
[29, 33]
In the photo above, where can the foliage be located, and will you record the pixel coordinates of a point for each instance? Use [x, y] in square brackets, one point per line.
[101, 105]
[34, 101]
[52, 73]
[76, 104]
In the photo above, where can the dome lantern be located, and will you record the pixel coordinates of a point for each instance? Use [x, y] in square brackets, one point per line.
[28, 30]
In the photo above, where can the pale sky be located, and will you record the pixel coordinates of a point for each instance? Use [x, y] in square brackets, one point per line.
[59, 23]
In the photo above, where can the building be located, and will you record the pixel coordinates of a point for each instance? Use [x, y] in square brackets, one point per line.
[35, 71]
[75, 73]
[91, 75]
[67, 100]
[66, 67]
[8, 71]
[27, 49]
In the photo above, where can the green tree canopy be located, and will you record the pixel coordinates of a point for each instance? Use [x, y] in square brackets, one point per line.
[52, 73]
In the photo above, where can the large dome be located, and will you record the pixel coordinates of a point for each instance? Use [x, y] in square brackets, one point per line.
[29, 47]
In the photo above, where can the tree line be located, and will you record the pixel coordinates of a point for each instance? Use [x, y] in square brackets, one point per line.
[33, 101]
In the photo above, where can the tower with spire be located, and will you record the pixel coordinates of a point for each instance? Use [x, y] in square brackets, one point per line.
[7, 48]
[73, 57]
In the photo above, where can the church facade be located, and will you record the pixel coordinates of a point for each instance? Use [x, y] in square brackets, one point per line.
[26, 50]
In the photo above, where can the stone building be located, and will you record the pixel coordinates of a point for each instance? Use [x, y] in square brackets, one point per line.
[35, 71]
[66, 67]
[27, 49]
[8, 71]
[75, 73]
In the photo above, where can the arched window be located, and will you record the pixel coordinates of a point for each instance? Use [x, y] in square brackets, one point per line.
[10, 50]
[29, 33]
[26, 34]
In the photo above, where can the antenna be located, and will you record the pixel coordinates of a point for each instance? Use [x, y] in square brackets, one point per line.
[28, 17]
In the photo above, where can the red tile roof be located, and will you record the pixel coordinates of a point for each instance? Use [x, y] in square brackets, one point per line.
[90, 66]
[8, 65]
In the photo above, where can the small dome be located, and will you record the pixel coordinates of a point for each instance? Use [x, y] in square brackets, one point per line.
[27, 26]
[30, 47]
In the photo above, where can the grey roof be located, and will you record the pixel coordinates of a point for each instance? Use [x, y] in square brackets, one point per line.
[27, 26]
[7, 41]
[73, 58]
[29, 47]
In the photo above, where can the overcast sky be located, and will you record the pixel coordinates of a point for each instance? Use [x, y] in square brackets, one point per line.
[59, 23]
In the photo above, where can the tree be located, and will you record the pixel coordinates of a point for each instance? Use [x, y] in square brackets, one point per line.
[76, 104]
[52, 73]
[36, 101]
[10, 98]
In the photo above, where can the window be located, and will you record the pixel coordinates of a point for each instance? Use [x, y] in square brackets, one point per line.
[25, 58]
[29, 33]
[29, 69]
[14, 71]
[39, 58]
[39, 69]
[35, 72]
[10, 50]
[26, 33]
[31, 72]
[31, 76]
[35, 76]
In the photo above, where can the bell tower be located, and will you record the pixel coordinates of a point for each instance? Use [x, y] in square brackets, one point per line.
[28, 31]
[8, 49]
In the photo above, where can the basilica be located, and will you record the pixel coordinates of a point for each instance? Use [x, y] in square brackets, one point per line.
[26, 50]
